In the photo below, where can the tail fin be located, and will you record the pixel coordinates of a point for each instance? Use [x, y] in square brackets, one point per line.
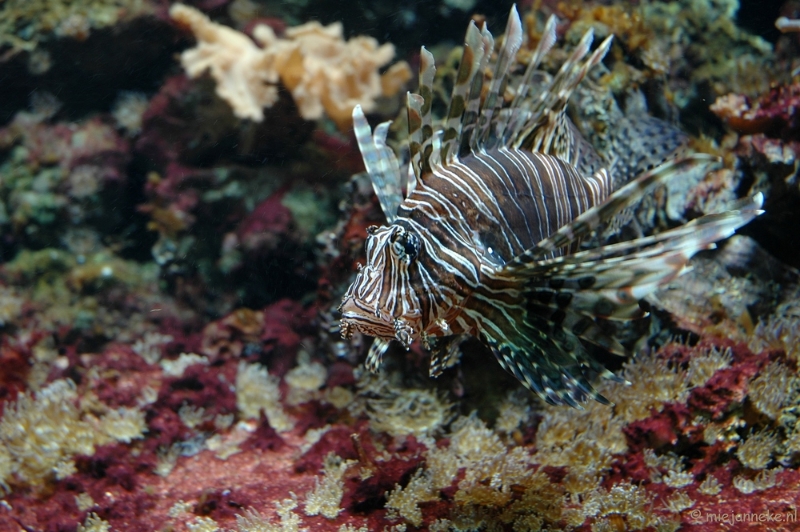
[642, 142]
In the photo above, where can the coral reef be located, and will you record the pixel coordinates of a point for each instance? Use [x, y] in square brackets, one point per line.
[24, 24]
[178, 222]
[676, 42]
[765, 140]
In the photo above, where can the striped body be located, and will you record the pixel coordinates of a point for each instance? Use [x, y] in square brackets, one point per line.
[485, 226]
[473, 216]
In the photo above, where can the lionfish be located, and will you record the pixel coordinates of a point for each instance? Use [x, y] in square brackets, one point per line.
[496, 236]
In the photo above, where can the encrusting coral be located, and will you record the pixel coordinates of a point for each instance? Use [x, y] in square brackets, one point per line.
[322, 71]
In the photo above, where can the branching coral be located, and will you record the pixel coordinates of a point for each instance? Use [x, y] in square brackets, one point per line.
[487, 492]
[94, 523]
[304, 382]
[149, 347]
[55, 173]
[780, 330]
[628, 502]
[514, 411]
[203, 524]
[252, 521]
[705, 33]
[653, 383]
[763, 481]
[128, 110]
[10, 305]
[40, 433]
[405, 501]
[175, 368]
[703, 365]
[584, 441]
[710, 486]
[674, 477]
[322, 70]
[327, 494]
[246, 77]
[257, 391]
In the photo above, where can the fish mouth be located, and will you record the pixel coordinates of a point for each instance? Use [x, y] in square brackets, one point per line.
[358, 317]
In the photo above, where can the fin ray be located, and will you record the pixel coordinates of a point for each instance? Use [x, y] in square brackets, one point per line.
[380, 162]
[583, 225]
[469, 67]
[494, 99]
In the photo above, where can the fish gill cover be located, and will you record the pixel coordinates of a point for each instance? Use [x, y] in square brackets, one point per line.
[184, 206]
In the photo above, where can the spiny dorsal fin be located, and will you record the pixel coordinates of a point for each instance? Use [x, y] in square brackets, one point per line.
[380, 162]
[554, 137]
[469, 136]
[471, 60]
[435, 159]
[516, 114]
[546, 112]
[427, 71]
[505, 60]
[414, 108]
[411, 180]
[545, 44]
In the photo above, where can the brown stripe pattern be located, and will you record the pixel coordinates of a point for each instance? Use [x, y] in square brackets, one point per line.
[486, 241]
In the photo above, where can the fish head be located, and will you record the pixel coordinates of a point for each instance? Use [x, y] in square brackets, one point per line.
[382, 301]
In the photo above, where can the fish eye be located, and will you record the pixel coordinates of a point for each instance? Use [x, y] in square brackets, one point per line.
[411, 245]
[406, 246]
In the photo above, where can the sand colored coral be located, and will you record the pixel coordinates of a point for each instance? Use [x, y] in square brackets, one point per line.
[323, 71]
[245, 75]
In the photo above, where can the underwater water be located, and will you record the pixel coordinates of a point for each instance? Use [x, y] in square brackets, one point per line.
[199, 239]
